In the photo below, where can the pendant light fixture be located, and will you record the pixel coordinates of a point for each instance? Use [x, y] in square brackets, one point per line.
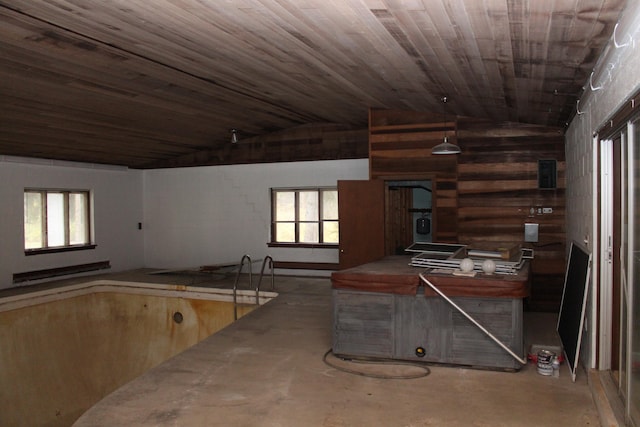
[445, 147]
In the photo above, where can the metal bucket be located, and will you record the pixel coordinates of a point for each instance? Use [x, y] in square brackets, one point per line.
[545, 362]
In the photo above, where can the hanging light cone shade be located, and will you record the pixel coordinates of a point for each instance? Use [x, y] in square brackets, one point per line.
[445, 148]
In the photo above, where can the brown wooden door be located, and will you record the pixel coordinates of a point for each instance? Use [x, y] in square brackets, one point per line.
[398, 220]
[361, 212]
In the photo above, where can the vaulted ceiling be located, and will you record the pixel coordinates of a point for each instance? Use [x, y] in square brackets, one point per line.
[161, 83]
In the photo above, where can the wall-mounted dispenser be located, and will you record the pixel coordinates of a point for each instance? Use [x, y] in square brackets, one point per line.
[531, 232]
[423, 225]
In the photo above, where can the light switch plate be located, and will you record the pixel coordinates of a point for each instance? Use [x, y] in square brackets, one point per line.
[531, 232]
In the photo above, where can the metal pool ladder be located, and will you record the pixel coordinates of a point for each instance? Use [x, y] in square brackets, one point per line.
[264, 263]
[247, 258]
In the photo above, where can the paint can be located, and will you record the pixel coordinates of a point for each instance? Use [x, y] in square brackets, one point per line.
[545, 362]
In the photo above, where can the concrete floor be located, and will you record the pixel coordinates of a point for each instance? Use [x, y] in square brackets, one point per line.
[267, 369]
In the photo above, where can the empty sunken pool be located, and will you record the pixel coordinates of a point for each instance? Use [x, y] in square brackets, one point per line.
[64, 349]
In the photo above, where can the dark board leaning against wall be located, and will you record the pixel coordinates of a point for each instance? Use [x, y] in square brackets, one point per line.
[574, 299]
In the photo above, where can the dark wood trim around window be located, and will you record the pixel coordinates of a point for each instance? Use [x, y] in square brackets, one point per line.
[303, 245]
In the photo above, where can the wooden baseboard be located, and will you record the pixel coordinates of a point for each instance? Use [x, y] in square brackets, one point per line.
[59, 271]
[306, 265]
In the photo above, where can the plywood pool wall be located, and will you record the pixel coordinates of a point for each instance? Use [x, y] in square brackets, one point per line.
[62, 352]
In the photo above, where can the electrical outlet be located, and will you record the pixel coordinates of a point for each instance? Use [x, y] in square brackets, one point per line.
[547, 210]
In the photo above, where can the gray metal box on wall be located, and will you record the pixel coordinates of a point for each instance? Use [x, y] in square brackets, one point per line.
[371, 324]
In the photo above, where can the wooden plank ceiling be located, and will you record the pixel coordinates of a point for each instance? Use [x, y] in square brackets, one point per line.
[160, 83]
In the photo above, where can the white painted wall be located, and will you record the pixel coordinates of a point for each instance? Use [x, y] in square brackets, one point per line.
[117, 194]
[191, 217]
[212, 215]
[616, 77]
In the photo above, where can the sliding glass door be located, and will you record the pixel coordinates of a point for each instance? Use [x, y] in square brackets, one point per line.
[619, 299]
[631, 279]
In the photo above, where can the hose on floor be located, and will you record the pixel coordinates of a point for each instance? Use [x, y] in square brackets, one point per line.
[382, 362]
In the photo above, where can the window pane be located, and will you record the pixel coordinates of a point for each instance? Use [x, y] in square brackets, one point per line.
[330, 204]
[33, 230]
[55, 219]
[285, 232]
[78, 224]
[308, 206]
[285, 206]
[309, 232]
[298, 212]
[330, 232]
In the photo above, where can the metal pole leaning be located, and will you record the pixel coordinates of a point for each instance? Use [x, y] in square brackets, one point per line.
[482, 328]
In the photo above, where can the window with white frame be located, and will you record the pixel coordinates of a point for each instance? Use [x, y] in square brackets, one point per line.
[304, 216]
[56, 220]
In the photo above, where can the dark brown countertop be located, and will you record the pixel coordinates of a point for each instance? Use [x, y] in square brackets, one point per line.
[393, 274]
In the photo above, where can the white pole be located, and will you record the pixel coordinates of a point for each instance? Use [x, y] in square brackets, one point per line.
[482, 328]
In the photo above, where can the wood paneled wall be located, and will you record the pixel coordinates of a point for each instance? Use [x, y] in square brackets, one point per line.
[400, 144]
[485, 195]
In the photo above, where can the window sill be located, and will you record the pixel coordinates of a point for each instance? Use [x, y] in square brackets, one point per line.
[303, 245]
[29, 252]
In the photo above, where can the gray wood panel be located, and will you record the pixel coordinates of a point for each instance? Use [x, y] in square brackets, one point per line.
[363, 324]
[420, 322]
[368, 324]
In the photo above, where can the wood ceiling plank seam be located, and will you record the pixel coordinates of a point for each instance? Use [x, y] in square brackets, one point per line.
[481, 30]
[289, 85]
[160, 130]
[429, 56]
[521, 54]
[474, 27]
[80, 147]
[40, 89]
[520, 43]
[76, 67]
[392, 69]
[196, 109]
[499, 16]
[76, 152]
[572, 46]
[81, 125]
[588, 24]
[365, 52]
[432, 66]
[469, 75]
[314, 22]
[274, 106]
[89, 118]
[145, 153]
[189, 34]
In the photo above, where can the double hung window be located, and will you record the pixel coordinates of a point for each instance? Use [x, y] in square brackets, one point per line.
[56, 220]
[305, 216]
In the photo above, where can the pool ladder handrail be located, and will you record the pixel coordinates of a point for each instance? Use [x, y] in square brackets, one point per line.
[235, 284]
[268, 259]
[264, 263]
